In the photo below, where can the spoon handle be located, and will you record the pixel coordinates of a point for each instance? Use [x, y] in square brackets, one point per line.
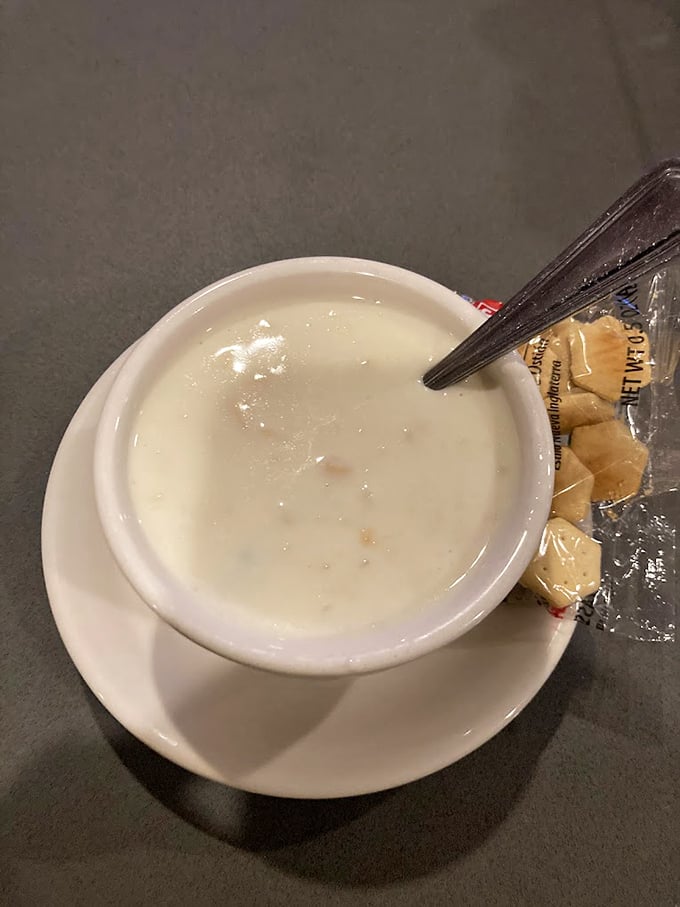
[638, 233]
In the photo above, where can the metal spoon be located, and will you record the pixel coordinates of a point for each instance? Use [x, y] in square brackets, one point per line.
[640, 232]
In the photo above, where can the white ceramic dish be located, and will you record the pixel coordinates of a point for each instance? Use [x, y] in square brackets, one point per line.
[277, 735]
[220, 628]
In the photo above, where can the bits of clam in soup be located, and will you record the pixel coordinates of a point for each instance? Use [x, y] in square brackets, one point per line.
[291, 464]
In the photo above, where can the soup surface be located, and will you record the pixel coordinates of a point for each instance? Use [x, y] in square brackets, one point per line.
[290, 463]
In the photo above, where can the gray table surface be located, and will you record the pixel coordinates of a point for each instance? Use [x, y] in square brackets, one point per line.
[150, 148]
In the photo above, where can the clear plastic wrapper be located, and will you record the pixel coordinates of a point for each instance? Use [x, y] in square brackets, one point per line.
[609, 380]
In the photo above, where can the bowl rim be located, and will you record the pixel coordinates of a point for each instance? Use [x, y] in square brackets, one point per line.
[384, 645]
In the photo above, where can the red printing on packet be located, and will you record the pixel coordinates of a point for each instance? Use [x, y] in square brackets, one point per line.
[488, 306]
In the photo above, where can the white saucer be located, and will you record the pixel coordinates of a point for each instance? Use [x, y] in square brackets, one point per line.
[265, 733]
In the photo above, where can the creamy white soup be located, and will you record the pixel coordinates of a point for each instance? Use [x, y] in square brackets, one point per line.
[291, 464]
